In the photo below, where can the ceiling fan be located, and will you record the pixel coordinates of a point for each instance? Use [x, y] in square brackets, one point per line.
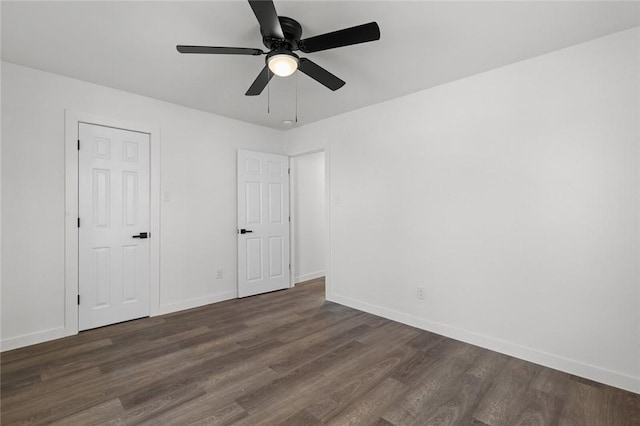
[281, 35]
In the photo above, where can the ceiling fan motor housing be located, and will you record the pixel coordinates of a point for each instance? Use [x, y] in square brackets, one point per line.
[292, 31]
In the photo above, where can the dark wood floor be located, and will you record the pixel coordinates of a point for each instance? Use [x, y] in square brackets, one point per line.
[290, 358]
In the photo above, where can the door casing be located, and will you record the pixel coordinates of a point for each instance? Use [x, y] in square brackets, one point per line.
[72, 120]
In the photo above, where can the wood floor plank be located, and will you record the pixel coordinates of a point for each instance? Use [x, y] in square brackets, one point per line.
[192, 374]
[535, 408]
[300, 418]
[438, 383]
[349, 390]
[489, 364]
[59, 384]
[104, 387]
[111, 332]
[96, 358]
[289, 355]
[383, 422]
[290, 358]
[52, 408]
[281, 388]
[213, 407]
[418, 361]
[222, 416]
[551, 382]
[35, 365]
[367, 409]
[302, 387]
[277, 312]
[19, 382]
[94, 415]
[152, 407]
[505, 393]
[597, 404]
[329, 315]
[392, 333]
[323, 346]
[451, 405]
[181, 335]
[425, 340]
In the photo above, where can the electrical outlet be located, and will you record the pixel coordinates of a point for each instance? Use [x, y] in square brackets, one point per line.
[420, 293]
[219, 276]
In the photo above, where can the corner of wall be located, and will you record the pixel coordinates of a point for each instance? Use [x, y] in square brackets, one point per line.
[595, 373]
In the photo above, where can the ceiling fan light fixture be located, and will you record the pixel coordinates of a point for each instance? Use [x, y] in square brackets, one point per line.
[283, 64]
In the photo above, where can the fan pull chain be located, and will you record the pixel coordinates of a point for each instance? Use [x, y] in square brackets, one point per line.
[297, 98]
[268, 91]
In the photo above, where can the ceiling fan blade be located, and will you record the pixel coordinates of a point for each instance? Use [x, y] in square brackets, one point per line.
[260, 82]
[219, 50]
[319, 74]
[267, 16]
[346, 37]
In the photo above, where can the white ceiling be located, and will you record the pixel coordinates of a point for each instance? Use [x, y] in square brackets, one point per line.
[131, 46]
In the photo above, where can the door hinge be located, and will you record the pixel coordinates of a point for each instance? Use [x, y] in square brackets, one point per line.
[78, 144]
[78, 222]
[78, 299]
[289, 171]
[289, 218]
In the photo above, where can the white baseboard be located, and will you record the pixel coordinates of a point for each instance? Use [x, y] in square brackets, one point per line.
[570, 366]
[307, 277]
[59, 332]
[34, 338]
[194, 303]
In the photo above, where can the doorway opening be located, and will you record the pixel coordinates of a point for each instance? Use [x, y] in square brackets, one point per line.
[308, 223]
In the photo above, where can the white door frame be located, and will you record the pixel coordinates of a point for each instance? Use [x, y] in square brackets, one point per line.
[327, 205]
[72, 120]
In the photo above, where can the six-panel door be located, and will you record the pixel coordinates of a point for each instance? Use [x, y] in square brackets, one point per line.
[113, 203]
[263, 222]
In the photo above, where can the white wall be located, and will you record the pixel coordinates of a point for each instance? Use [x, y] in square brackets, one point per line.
[511, 196]
[307, 174]
[198, 224]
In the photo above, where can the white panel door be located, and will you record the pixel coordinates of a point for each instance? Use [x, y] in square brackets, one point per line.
[113, 204]
[263, 222]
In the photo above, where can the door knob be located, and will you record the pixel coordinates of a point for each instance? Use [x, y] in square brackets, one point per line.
[245, 231]
[142, 235]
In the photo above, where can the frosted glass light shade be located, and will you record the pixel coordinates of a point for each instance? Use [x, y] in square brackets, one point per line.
[283, 65]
